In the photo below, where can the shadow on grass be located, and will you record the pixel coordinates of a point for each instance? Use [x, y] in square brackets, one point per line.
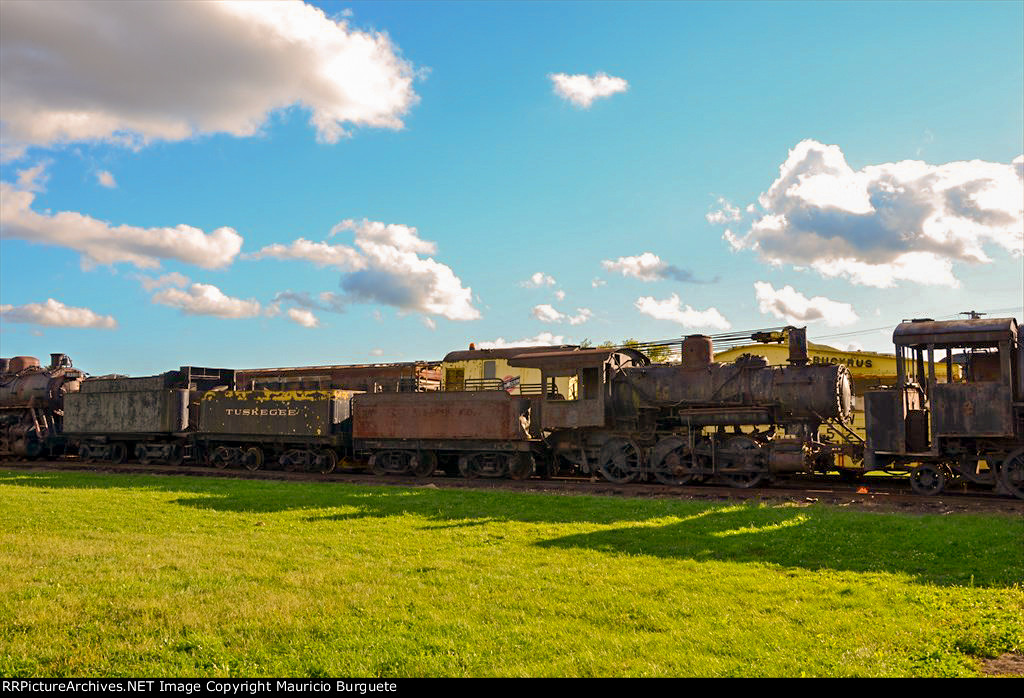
[961, 550]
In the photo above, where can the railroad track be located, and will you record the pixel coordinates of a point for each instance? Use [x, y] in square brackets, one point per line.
[883, 493]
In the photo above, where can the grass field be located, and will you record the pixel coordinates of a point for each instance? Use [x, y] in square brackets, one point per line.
[176, 576]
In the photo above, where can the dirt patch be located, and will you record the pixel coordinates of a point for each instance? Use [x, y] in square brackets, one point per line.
[1006, 665]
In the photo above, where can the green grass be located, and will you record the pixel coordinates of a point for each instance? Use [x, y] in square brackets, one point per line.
[175, 576]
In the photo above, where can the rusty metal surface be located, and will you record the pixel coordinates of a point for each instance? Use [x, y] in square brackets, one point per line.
[124, 384]
[812, 392]
[580, 358]
[389, 377]
[508, 353]
[972, 409]
[955, 332]
[126, 412]
[493, 415]
[313, 413]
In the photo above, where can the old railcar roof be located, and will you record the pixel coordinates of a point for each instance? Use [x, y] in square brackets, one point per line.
[578, 358]
[953, 333]
[339, 367]
[503, 353]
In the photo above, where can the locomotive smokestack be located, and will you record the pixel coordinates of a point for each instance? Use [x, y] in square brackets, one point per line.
[698, 352]
[59, 361]
[797, 346]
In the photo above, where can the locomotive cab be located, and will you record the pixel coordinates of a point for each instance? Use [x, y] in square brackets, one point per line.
[587, 406]
[952, 418]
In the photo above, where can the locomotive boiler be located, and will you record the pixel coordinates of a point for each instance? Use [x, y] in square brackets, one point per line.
[739, 423]
[31, 404]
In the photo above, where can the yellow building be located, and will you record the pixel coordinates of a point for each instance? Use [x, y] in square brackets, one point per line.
[488, 369]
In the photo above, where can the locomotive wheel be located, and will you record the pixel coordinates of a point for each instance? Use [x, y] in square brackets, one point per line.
[521, 466]
[221, 457]
[325, 460]
[118, 453]
[85, 453]
[672, 462]
[423, 463]
[1011, 473]
[745, 456]
[469, 467]
[253, 458]
[928, 479]
[142, 454]
[620, 461]
[175, 455]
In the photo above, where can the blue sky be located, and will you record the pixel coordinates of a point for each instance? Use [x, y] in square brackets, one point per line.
[839, 165]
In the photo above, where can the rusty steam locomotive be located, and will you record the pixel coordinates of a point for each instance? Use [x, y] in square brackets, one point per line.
[626, 418]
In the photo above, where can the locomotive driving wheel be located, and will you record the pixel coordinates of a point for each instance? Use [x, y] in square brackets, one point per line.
[742, 462]
[1011, 473]
[620, 461]
[672, 462]
[928, 478]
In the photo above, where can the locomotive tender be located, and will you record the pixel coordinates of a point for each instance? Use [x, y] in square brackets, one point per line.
[595, 410]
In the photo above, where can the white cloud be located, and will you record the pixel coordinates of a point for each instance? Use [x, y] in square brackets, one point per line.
[647, 267]
[543, 339]
[906, 220]
[725, 214]
[671, 309]
[205, 299]
[598, 282]
[171, 279]
[547, 313]
[538, 279]
[304, 317]
[53, 313]
[582, 90]
[135, 72]
[385, 267]
[100, 242]
[320, 254]
[795, 308]
[106, 179]
[377, 352]
[560, 294]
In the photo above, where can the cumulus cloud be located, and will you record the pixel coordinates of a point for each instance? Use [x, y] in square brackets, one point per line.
[538, 279]
[648, 267]
[385, 267]
[875, 226]
[560, 294]
[106, 179]
[53, 313]
[206, 299]
[582, 90]
[547, 313]
[304, 317]
[135, 72]
[320, 254]
[544, 339]
[100, 242]
[795, 308]
[672, 309]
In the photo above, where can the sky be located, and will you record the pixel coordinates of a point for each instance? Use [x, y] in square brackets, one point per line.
[285, 183]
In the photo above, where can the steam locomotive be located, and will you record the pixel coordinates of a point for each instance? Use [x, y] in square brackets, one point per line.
[31, 404]
[678, 423]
